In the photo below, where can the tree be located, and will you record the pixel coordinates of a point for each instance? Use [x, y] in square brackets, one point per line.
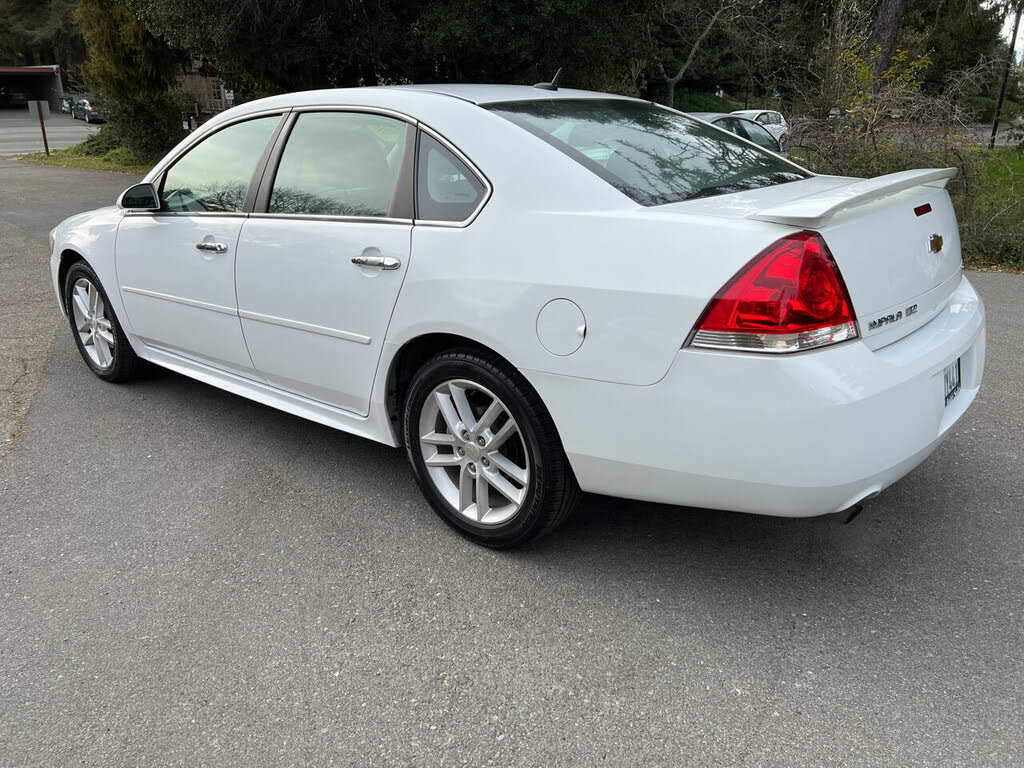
[885, 31]
[261, 47]
[39, 32]
[135, 73]
[676, 30]
[1006, 72]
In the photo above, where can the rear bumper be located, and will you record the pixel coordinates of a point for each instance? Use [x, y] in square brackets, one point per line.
[793, 436]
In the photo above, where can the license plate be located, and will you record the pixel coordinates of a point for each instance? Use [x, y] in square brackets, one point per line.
[951, 378]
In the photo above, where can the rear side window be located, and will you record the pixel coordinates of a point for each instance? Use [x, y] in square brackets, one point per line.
[758, 135]
[343, 164]
[214, 176]
[652, 154]
[446, 189]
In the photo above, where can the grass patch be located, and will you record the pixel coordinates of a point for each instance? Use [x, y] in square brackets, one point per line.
[114, 160]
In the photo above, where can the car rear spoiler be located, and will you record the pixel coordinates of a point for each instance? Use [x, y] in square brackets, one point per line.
[814, 210]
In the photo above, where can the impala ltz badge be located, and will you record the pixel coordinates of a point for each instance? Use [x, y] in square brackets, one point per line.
[895, 317]
[935, 243]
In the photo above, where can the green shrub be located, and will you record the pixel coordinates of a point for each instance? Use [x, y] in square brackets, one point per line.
[121, 156]
[98, 144]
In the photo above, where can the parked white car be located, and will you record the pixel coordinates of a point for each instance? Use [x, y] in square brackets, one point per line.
[773, 122]
[537, 292]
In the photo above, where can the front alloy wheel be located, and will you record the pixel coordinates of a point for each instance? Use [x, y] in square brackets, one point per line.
[485, 450]
[97, 332]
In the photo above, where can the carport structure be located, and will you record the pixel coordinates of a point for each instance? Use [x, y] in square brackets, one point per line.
[18, 85]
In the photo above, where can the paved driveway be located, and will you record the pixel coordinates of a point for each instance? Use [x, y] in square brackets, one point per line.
[20, 134]
[191, 578]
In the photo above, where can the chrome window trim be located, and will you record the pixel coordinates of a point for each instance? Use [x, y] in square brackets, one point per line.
[356, 108]
[326, 217]
[489, 188]
[231, 214]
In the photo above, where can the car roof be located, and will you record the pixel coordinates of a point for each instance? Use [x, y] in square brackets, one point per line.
[708, 117]
[397, 96]
[479, 93]
[746, 112]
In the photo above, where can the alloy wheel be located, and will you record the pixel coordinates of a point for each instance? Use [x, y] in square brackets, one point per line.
[474, 452]
[95, 329]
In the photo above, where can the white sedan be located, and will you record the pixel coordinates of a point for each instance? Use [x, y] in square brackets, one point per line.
[541, 291]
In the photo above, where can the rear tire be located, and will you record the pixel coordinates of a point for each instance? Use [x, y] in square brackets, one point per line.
[95, 327]
[485, 451]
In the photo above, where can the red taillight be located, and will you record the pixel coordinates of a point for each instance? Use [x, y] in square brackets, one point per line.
[791, 297]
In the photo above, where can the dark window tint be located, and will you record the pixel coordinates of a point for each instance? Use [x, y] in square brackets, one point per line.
[654, 155]
[758, 135]
[446, 189]
[342, 164]
[214, 176]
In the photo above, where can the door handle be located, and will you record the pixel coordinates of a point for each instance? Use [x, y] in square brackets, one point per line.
[215, 247]
[382, 262]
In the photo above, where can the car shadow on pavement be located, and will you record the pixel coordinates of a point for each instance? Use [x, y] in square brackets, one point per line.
[891, 553]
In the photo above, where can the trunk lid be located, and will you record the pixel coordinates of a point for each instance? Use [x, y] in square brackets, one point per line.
[895, 239]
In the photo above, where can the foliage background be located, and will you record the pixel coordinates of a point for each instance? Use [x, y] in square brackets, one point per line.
[872, 86]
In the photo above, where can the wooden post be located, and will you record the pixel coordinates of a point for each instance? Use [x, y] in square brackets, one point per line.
[42, 127]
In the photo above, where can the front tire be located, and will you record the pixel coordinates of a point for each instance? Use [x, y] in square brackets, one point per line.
[485, 451]
[95, 327]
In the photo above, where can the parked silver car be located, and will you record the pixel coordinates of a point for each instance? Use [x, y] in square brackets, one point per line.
[773, 122]
[744, 128]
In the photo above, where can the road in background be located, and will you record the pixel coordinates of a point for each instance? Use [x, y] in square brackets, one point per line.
[192, 578]
[20, 134]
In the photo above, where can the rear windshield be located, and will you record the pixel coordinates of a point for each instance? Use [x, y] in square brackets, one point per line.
[652, 154]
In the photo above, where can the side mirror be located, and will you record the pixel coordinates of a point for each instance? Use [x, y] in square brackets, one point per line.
[141, 197]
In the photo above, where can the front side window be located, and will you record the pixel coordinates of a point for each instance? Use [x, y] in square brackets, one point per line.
[446, 189]
[343, 164]
[214, 176]
[652, 154]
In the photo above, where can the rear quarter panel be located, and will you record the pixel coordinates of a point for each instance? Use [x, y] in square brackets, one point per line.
[641, 277]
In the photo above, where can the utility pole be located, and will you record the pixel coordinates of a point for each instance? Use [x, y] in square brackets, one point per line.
[1006, 74]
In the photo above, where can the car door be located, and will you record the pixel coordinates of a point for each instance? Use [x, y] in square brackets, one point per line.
[176, 266]
[322, 259]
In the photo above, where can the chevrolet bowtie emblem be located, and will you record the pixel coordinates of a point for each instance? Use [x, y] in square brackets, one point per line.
[935, 243]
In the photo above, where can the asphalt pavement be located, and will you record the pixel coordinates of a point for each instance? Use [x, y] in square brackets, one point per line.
[20, 132]
[189, 578]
